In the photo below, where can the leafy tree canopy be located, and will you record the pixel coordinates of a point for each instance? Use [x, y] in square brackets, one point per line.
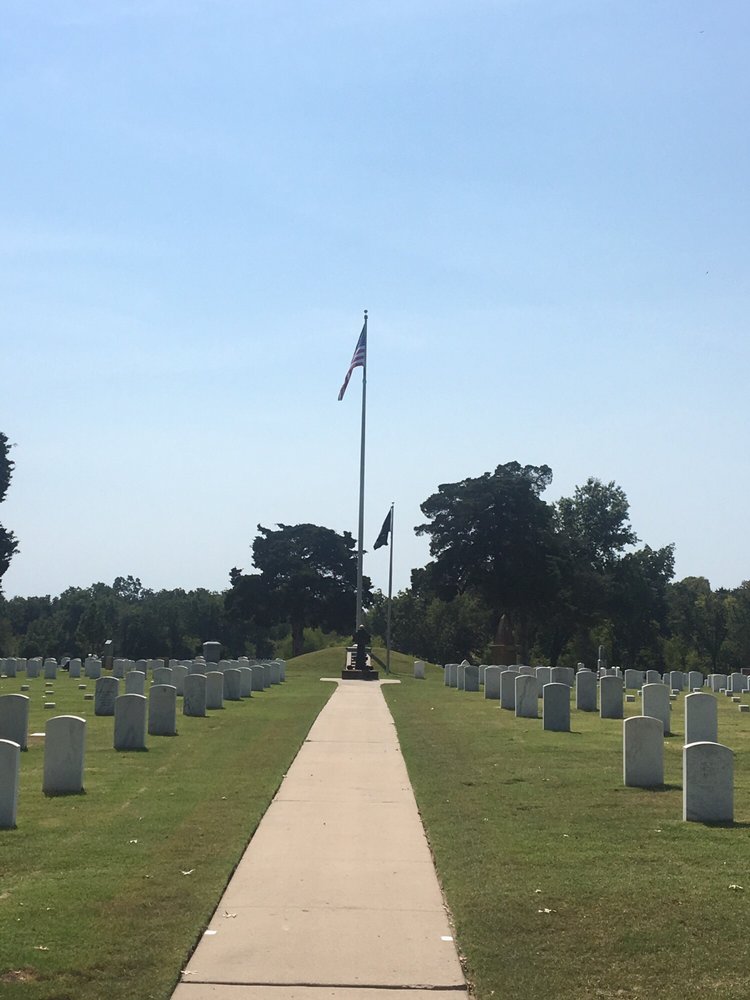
[8, 541]
[595, 521]
[494, 535]
[307, 578]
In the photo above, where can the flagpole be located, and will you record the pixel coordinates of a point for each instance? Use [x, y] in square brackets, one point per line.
[390, 596]
[360, 545]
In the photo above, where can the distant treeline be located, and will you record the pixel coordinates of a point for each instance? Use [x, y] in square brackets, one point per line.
[696, 628]
[568, 577]
[142, 623]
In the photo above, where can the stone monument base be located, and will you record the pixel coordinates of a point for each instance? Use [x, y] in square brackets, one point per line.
[359, 675]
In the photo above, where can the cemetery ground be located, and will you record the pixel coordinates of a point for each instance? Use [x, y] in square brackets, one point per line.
[561, 881]
[104, 894]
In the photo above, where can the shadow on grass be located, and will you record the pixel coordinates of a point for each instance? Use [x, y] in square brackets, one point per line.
[664, 788]
[721, 824]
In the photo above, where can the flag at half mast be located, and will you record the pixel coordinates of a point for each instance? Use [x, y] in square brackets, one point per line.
[359, 359]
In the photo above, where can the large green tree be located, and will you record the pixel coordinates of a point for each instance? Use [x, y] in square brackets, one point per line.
[593, 528]
[8, 542]
[494, 536]
[307, 578]
[639, 608]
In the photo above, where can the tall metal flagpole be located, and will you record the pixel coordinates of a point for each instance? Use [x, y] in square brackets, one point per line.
[390, 595]
[360, 545]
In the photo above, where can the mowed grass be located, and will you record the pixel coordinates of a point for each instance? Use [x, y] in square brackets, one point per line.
[562, 882]
[105, 894]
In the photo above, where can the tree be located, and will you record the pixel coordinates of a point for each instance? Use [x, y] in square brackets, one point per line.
[494, 536]
[712, 624]
[308, 578]
[595, 520]
[8, 542]
[738, 626]
[639, 608]
[592, 528]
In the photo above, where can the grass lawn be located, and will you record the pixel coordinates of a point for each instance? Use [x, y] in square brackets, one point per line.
[562, 882]
[104, 894]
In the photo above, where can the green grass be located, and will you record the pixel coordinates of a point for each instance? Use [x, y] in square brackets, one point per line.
[93, 902]
[522, 821]
[93, 899]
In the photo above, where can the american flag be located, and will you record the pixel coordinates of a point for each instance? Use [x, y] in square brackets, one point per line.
[359, 358]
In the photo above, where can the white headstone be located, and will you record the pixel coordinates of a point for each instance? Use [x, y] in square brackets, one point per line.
[633, 679]
[162, 675]
[212, 651]
[543, 676]
[643, 752]
[162, 710]
[246, 684]
[130, 722]
[695, 679]
[106, 691]
[471, 678]
[50, 668]
[560, 675]
[701, 718]
[214, 689]
[492, 683]
[586, 691]
[10, 769]
[179, 673]
[93, 667]
[194, 698]
[556, 708]
[14, 719]
[527, 697]
[508, 689]
[707, 783]
[419, 670]
[610, 698]
[64, 747]
[655, 703]
[135, 682]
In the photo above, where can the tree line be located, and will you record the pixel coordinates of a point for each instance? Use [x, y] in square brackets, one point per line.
[568, 576]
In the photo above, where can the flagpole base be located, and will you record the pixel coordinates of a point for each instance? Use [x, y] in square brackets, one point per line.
[360, 675]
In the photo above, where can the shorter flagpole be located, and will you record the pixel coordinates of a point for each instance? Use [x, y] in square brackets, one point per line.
[390, 598]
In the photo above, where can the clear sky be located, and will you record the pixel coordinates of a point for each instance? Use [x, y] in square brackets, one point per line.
[543, 204]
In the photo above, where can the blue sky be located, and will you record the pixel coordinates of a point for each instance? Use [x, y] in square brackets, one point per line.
[543, 206]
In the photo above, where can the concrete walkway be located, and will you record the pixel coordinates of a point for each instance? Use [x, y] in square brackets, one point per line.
[336, 895]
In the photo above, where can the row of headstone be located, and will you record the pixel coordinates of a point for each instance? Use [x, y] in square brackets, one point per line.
[135, 716]
[265, 672]
[707, 765]
[505, 685]
[64, 743]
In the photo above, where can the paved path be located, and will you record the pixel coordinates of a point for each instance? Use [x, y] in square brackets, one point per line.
[336, 896]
